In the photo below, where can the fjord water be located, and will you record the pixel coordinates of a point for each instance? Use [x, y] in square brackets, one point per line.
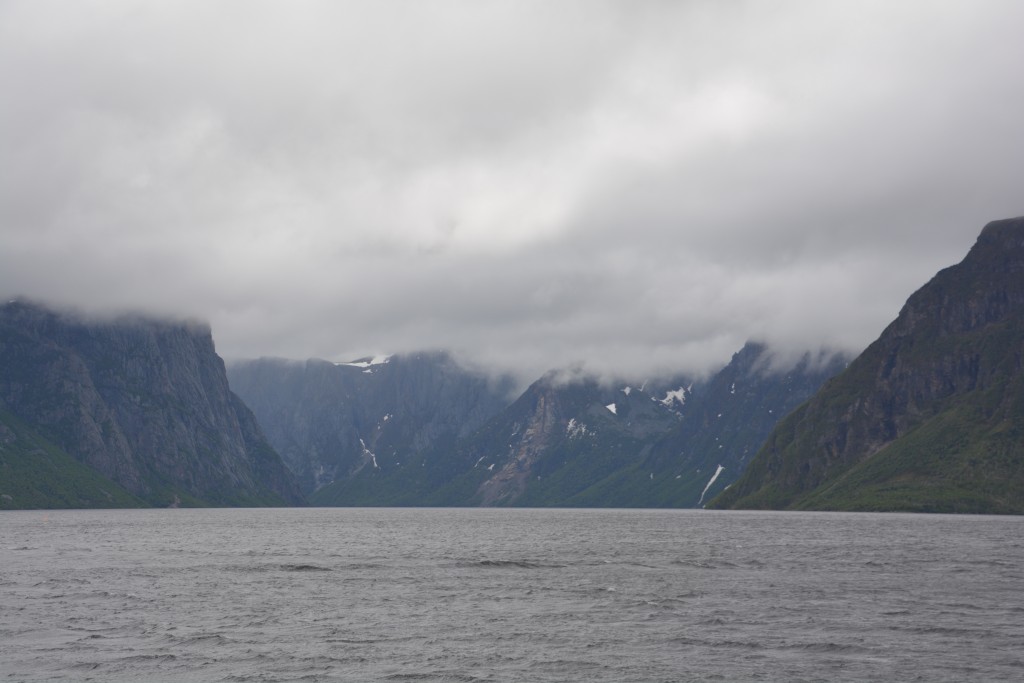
[508, 595]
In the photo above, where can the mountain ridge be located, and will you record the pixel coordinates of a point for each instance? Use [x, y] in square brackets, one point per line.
[929, 417]
[142, 402]
[568, 439]
[330, 420]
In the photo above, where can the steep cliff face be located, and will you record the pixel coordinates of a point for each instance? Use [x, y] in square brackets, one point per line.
[558, 441]
[569, 440]
[723, 423]
[145, 404]
[929, 417]
[371, 420]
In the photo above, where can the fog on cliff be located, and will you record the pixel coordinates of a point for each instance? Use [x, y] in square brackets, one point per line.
[634, 186]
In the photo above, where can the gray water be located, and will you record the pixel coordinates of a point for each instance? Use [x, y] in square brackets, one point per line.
[509, 595]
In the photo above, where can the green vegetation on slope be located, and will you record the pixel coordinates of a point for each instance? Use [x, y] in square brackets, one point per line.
[35, 474]
[958, 461]
[930, 418]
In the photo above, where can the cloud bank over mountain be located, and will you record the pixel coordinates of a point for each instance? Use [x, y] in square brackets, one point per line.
[632, 186]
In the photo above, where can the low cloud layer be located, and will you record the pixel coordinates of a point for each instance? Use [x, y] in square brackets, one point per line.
[635, 186]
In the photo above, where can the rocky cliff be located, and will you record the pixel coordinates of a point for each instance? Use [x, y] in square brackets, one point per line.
[930, 417]
[338, 422]
[722, 424]
[558, 441]
[143, 403]
[419, 430]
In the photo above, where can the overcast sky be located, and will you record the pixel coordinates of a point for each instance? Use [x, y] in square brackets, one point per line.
[635, 186]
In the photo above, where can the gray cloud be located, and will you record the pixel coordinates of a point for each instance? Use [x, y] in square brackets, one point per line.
[633, 186]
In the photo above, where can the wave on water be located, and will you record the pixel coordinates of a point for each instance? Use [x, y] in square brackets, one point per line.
[279, 568]
[445, 676]
[518, 564]
[303, 568]
[828, 648]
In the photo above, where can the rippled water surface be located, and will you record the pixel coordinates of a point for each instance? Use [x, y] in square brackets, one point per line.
[508, 595]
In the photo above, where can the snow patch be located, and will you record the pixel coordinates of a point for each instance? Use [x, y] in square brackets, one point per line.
[611, 407]
[627, 390]
[712, 481]
[367, 362]
[575, 429]
[678, 395]
[367, 451]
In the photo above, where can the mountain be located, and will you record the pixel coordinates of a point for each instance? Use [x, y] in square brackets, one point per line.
[333, 421]
[557, 440]
[929, 418]
[125, 412]
[723, 422]
[420, 430]
[577, 443]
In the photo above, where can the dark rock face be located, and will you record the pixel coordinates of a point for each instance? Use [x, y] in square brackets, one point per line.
[420, 430]
[144, 403]
[726, 420]
[916, 421]
[331, 422]
[664, 444]
[561, 443]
